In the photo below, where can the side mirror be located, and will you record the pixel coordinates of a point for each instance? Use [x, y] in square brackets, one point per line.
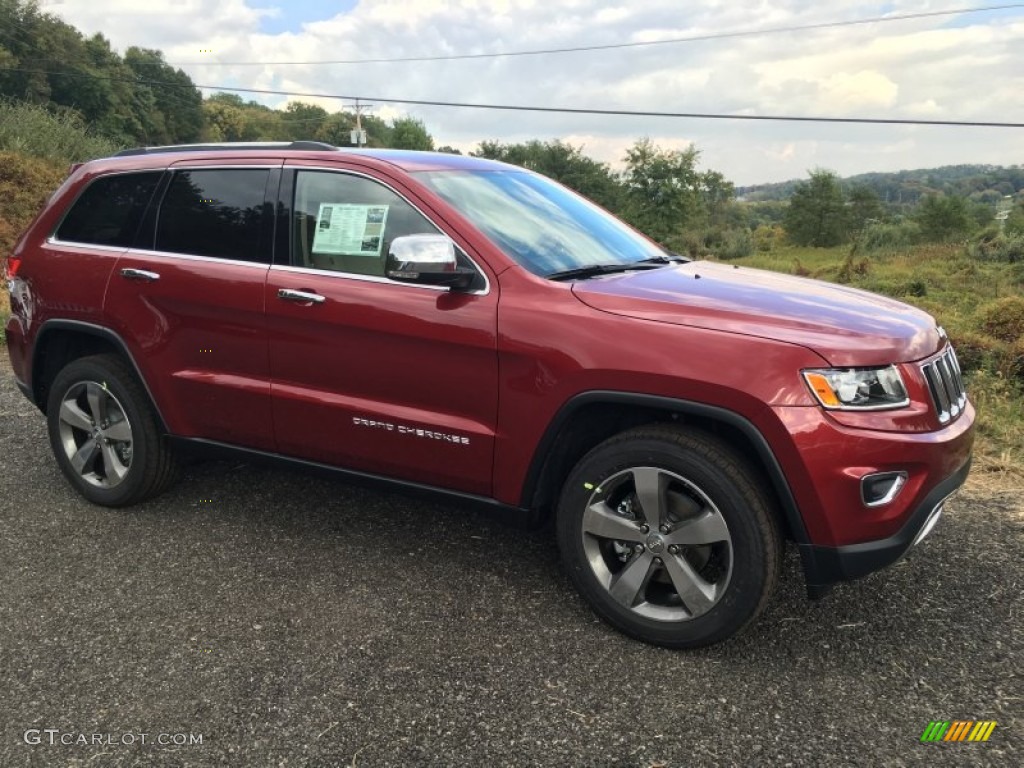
[427, 260]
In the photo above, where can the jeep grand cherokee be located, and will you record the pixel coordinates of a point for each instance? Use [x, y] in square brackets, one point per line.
[465, 328]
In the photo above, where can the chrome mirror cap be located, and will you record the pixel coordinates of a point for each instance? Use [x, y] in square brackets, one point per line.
[426, 259]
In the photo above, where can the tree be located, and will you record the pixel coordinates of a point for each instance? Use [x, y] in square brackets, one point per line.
[224, 122]
[336, 129]
[943, 218]
[409, 133]
[716, 194]
[662, 189]
[178, 101]
[302, 121]
[865, 208]
[817, 213]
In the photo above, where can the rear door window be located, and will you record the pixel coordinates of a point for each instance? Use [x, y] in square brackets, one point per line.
[109, 211]
[217, 212]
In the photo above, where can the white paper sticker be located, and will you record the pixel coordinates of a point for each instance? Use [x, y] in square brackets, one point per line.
[350, 230]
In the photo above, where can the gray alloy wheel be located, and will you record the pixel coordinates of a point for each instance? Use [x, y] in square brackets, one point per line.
[105, 434]
[670, 536]
[658, 544]
[95, 434]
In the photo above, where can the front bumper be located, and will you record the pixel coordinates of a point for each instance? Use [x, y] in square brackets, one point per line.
[823, 566]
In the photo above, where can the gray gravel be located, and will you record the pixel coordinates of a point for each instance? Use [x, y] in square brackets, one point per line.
[296, 621]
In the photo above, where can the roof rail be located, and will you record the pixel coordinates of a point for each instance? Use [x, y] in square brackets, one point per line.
[229, 146]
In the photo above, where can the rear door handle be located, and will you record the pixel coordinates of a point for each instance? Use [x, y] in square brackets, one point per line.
[302, 297]
[140, 274]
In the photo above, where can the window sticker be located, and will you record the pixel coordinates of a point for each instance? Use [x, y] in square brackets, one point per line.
[350, 230]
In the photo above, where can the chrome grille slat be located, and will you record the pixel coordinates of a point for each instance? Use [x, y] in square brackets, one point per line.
[946, 383]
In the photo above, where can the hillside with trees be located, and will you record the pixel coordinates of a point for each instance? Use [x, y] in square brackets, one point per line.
[905, 189]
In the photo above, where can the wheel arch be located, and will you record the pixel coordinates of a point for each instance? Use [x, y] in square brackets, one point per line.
[61, 341]
[591, 417]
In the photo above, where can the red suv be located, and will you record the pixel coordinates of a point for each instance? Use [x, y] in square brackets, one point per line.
[469, 329]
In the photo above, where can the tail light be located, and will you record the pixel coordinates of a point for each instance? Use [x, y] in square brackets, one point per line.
[13, 264]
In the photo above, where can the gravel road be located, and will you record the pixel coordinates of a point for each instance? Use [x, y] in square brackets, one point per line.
[289, 620]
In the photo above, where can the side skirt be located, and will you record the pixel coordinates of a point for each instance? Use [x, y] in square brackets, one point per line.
[518, 517]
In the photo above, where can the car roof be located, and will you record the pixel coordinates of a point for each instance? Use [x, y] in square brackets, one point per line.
[409, 160]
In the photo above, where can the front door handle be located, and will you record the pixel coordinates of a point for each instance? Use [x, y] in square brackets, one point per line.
[140, 274]
[302, 297]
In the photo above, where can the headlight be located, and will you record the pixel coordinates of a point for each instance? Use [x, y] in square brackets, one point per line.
[858, 388]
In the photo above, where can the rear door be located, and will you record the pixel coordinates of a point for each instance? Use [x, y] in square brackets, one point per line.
[370, 374]
[188, 300]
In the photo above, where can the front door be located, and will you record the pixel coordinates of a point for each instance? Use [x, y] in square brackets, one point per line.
[368, 374]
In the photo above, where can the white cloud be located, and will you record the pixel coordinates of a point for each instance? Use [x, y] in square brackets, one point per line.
[967, 67]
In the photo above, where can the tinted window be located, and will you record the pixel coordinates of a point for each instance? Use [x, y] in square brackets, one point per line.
[346, 223]
[217, 212]
[110, 209]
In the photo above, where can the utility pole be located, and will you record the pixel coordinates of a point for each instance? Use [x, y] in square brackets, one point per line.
[359, 135]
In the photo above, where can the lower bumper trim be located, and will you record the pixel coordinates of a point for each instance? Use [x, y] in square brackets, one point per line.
[827, 565]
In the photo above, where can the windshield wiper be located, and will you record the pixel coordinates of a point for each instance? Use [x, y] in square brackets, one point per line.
[599, 269]
[666, 258]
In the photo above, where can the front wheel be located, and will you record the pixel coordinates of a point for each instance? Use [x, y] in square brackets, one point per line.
[104, 433]
[666, 533]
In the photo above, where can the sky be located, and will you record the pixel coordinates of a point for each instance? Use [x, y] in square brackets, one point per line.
[967, 66]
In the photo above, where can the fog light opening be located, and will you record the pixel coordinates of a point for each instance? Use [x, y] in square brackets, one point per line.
[880, 488]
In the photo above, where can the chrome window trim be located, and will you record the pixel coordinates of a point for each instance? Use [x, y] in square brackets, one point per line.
[373, 278]
[53, 240]
[196, 257]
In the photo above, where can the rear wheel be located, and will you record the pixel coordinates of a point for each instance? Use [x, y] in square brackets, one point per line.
[668, 536]
[104, 433]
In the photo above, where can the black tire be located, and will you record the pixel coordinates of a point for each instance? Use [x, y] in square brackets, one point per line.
[709, 568]
[113, 471]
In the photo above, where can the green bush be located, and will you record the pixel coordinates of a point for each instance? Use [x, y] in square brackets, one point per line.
[1011, 361]
[58, 135]
[1003, 319]
[889, 237]
[767, 238]
[25, 184]
[914, 288]
[720, 242]
[735, 244]
[973, 350]
[997, 246]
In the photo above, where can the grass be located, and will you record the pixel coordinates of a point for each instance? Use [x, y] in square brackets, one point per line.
[58, 136]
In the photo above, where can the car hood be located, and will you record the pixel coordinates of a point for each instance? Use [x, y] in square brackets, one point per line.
[846, 326]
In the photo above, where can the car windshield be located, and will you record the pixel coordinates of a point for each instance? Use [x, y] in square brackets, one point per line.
[545, 227]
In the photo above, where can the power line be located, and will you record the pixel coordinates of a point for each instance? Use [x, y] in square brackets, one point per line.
[557, 110]
[612, 46]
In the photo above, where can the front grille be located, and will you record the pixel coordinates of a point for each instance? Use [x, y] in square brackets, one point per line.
[946, 384]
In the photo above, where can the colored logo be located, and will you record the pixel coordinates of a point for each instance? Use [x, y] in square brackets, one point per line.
[958, 730]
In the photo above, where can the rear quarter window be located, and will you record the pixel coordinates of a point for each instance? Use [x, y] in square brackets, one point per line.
[110, 209]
